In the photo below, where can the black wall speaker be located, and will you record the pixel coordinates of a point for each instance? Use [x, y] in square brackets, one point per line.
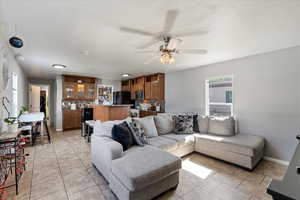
[16, 42]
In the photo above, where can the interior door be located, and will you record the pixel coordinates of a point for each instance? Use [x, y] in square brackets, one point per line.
[35, 98]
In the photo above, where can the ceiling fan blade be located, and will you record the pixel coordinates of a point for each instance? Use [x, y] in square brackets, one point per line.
[191, 51]
[149, 44]
[191, 33]
[136, 31]
[170, 20]
[148, 51]
[152, 59]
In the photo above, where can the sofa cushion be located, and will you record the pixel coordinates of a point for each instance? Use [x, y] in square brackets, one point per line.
[224, 126]
[250, 145]
[181, 139]
[104, 128]
[203, 123]
[135, 170]
[164, 124]
[147, 123]
[163, 143]
[183, 124]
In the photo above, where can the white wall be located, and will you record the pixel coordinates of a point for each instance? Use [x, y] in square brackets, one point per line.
[22, 83]
[266, 95]
[58, 100]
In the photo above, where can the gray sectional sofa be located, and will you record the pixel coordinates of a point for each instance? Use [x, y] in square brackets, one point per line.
[145, 172]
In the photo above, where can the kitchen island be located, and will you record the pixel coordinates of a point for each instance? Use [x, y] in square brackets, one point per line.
[111, 112]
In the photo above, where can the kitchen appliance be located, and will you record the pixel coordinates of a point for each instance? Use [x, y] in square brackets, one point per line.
[122, 97]
[139, 95]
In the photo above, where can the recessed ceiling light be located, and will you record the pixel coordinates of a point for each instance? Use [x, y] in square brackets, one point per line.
[59, 66]
[125, 75]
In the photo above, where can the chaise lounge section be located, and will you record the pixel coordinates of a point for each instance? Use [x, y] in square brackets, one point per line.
[146, 172]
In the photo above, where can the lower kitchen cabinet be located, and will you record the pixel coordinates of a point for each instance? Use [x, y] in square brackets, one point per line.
[71, 119]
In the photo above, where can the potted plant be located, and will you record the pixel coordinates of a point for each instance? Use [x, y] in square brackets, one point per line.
[13, 122]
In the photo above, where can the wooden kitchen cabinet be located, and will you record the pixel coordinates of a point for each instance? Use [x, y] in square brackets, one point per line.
[90, 91]
[153, 86]
[71, 119]
[79, 88]
[126, 86]
[69, 90]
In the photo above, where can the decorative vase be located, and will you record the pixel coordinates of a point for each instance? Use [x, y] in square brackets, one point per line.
[12, 128]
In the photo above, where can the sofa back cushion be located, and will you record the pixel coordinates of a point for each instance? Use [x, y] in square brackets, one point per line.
[122, 134]
[148, 125]
[203, 123]
[164, 124]
[224, 126]
[105, 128]
[183, 124]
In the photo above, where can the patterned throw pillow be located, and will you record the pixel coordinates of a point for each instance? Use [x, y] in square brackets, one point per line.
[138, 133]
[183, 124]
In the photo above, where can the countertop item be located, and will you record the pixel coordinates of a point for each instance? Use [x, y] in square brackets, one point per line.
[288, 188]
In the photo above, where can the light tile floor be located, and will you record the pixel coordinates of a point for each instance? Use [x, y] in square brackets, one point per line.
[63, 171]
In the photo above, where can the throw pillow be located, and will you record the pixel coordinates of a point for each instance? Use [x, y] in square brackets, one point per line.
[137, 133]
[148, 125]
[164, 124]
[183, 124]
[203, 123]
[122, 134]
[224, 126]
[195, 124]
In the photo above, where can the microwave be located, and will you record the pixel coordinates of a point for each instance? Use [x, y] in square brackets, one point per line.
[139, 95]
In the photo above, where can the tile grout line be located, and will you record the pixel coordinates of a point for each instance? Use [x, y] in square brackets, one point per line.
[60, 173]
[101, 192]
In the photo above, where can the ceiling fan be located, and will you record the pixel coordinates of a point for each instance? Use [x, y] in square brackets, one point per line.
[169, 42]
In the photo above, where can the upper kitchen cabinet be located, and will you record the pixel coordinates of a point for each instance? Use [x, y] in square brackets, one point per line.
[79, 88]
[90, 91]
[153, 86]
[126, 86]
[69, 90]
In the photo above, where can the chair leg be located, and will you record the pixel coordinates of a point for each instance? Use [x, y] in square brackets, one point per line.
[47, 130]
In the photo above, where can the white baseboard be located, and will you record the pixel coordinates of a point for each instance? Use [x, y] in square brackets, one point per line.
[282, 162]
[59, 129]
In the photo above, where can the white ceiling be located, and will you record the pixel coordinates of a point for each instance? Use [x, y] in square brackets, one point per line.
[59, 31]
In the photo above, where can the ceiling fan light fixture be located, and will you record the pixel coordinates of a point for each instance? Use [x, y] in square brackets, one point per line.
[166, 58]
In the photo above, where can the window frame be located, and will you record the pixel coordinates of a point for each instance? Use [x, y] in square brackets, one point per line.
[207, 94]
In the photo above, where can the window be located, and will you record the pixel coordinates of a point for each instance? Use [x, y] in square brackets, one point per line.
[219, 101]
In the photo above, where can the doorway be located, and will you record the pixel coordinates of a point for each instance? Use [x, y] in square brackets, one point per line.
[39, 99]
